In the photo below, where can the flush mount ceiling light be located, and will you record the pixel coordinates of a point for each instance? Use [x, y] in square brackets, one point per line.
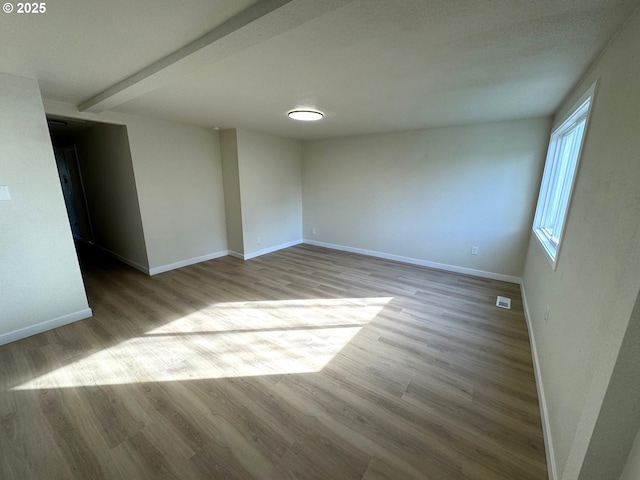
[306, 115]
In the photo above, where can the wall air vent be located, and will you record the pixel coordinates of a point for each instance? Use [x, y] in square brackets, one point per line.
[503, 302]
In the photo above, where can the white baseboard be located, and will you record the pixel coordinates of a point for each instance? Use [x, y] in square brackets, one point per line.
[124, 260]
[185, 263]
[44, 326]
[249, 256]
[236, 255]
[417, 261]
[544, 412]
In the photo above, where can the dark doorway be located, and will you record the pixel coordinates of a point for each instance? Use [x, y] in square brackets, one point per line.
[62, 137]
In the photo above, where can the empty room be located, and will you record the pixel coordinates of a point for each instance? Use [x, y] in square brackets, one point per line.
[320, 239]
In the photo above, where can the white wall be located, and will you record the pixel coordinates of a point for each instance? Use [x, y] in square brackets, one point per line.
[592, 293]
[231, 177]
[429, 195]
[112, 199]
[178, 175]
[40, 282]
[270, 191]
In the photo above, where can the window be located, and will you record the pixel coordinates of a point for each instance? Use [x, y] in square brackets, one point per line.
[559, 175]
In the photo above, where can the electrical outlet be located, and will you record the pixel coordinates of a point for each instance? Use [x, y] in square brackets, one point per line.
[259, 240]
[474, 250]
[313, 231]
[546, 314]
[4, 193]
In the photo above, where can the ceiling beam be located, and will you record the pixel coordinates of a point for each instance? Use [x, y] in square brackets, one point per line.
[168, 68]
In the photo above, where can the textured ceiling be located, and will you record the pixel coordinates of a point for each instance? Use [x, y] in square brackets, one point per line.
[81, 47]
[370, 65]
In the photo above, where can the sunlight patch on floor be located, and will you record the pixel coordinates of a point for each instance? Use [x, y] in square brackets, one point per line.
[226, 340]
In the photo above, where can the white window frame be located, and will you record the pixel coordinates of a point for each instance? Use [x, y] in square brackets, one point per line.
[558, 180]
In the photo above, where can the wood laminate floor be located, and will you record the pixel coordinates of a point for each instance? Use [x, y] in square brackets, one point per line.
[302, 364]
